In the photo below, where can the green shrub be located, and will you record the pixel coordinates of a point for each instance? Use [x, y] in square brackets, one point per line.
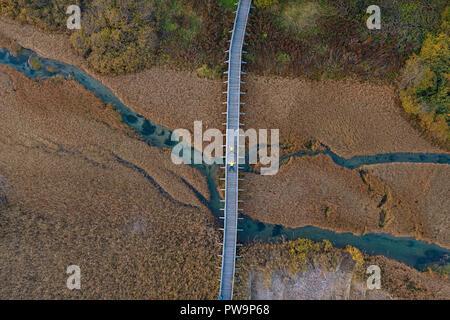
[47, 14]
[283, 58]
[445, 26]
[35, 63]
[208, 72]
[300, 17]
[229, 3]
[264, 3]
[124, 36]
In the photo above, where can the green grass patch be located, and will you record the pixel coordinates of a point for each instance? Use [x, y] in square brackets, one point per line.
[209, 72]
[302, 17]
[229, 3]
[35, 63]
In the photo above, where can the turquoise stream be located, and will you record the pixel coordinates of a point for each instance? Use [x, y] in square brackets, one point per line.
[415, 253]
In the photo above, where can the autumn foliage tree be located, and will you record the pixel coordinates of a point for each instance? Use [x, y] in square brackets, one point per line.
[424, 90]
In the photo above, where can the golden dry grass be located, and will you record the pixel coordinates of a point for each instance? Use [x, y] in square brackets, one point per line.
[78, 194]
[425, 189]
[352, 118]
[316, 191]
[174, 99]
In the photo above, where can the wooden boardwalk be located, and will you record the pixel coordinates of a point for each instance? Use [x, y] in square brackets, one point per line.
[232, 151]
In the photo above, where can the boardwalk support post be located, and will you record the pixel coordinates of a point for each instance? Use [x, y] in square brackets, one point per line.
[232, 146]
